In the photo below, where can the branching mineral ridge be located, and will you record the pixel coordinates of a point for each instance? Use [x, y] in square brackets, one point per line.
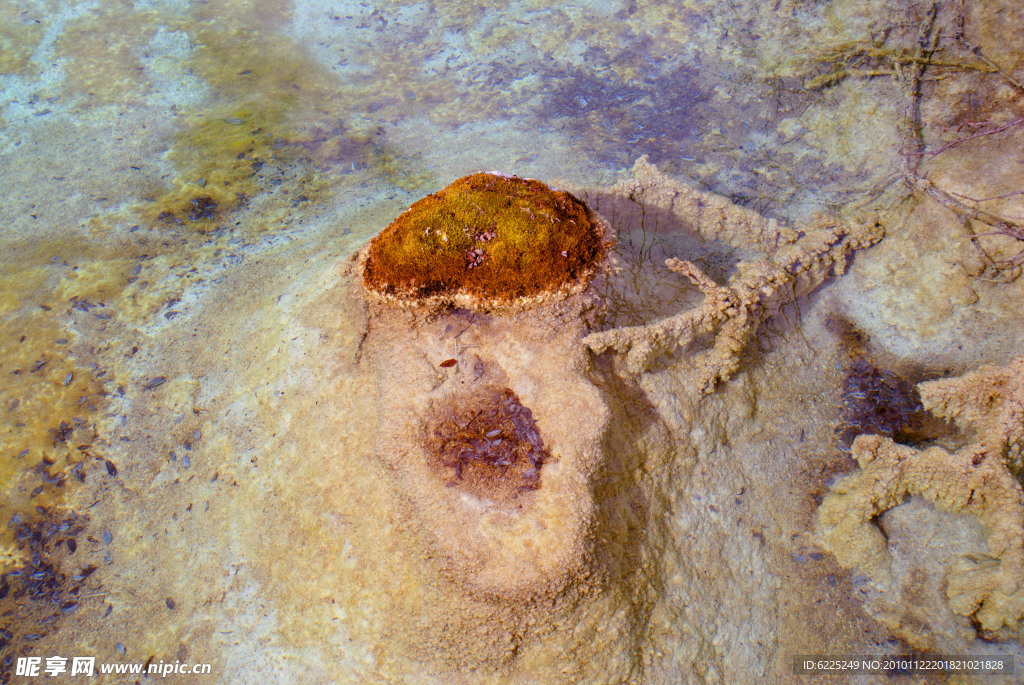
[976, 479]
[797, 262]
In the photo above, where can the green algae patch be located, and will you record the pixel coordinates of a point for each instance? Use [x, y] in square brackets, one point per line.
[486, 241]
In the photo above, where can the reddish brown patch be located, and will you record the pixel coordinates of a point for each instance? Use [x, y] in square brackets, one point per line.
[487, 444]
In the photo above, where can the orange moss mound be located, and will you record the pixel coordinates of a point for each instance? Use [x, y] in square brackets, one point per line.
[485, 240]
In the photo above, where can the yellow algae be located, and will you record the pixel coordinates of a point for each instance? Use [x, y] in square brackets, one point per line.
[266, 14]
[16, 289]
[404, 171]
[251, 138]
[219, 157]
[96, 280]
[20, 33]
[103, 50]
[53, 398]
[49, 402]
[260, 120]
[249, 131]
[44, 383]
[243, 63]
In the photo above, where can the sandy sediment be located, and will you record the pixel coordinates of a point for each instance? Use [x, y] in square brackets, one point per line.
[522, 541]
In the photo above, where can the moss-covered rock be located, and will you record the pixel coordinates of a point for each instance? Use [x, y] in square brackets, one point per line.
[486, 241]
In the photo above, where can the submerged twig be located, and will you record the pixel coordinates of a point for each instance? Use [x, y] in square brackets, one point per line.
[915, 149]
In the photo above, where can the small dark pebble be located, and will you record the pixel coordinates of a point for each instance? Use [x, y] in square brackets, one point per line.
[110, 607]
[120, 647]
[170, 603]
[155, 383]
[111, 469]
[61, 341]
[68, 378]
[448, 363]
[72, 545]
[36, 491]
[186, 461]
[45, 307]
[107, 536]
[64, 431]
[203, 207]
[14, 404]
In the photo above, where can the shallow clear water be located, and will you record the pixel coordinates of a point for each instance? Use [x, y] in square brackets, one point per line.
[183, 184]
